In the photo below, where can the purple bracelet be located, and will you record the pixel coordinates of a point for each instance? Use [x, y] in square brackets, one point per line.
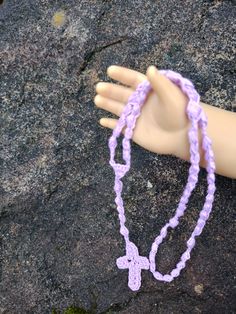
[132, 260]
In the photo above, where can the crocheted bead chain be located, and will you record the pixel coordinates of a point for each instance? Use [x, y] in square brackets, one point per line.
[131, 112]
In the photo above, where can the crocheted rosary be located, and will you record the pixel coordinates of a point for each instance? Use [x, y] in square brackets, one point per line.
[132, 260]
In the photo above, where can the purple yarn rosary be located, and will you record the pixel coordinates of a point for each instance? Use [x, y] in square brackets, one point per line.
[132, 260]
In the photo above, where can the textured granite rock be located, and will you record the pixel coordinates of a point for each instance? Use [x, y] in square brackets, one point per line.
[58, 224]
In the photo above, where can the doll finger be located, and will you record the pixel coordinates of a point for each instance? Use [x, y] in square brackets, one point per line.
[114, 91]
[126, 76]
[108, 122]
[108, 104]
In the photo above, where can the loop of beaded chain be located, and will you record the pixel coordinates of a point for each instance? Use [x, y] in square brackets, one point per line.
[132, 260]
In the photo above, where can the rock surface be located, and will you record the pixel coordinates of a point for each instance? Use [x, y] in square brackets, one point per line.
[58, 222]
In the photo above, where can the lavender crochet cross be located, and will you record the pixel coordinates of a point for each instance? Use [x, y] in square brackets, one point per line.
[135, 263]
[198, 119]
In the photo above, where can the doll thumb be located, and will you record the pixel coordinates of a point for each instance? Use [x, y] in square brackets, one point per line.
[160, 84]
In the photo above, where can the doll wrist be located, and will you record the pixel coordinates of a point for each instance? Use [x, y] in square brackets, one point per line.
[182, 146]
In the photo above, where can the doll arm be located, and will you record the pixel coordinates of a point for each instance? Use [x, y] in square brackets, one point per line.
[222, 131]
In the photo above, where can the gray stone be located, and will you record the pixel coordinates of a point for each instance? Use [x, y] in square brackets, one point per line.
[58, 223]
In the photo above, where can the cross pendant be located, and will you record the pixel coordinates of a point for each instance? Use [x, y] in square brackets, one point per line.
[135, 263]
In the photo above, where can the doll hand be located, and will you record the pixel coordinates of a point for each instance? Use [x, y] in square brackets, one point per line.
[163, 121]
